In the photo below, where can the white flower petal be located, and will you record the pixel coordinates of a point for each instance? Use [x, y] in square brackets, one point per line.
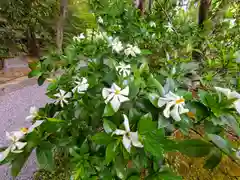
[127, 143]
[166, 111]
[33, 110]
[30, 117]
[115, 87]
[4, 154]
[61, 104]
[82, 88]
[115, 103]
[68, 95]
[36, 124]
[125, 91]
[237, 105]
[225, 91]
[20, 145]
[105, 93]
[171, 96]
[122, 98]
[62, 92]
[109, 98]
[182, 110]
[175, 114]
[162, 101]
[17, 151]
[135, 140]
[126, 123]
[119, 132]
[57, 95]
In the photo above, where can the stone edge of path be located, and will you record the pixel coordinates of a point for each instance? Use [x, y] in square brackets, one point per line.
[16, 84]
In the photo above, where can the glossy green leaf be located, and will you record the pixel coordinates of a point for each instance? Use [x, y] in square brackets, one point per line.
[55, 120]
[220, 142]
[41, 80]
[194, 147]
[102, 138]
[109, 126]
[18, 163]
[111, 152]
[214, 159]
[34, 73]
[146, 124]
[45, 158]
[108, 110]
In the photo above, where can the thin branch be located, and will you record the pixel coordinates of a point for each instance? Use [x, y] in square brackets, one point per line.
[198, 133]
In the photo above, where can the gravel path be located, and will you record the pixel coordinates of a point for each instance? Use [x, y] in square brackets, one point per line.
[14, 107]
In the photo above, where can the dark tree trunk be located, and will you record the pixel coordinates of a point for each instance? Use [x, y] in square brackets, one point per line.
[60, 24]
[32, 44]
[203, 12]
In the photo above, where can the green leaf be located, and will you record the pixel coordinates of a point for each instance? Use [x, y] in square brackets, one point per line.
[214, 159]
[102, 138]
[41, 80]
[111, 152]
[55, 120]
[164, 175]
[210, 128]
[120, 168]
[154, 99]
[169, 85]
[157, 85]
[18, 163]
[156, 144]
[194, 147]
[162, 121]
[146, 124]
[45, 158]
[145, 52]
[34, 73]
[84, 147]
[231, 122]
[108, 110]
[220, 142]
[134, 178]
[109, 126]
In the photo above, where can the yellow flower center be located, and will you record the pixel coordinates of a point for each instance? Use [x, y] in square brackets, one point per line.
[117, 92]
[179, 101]
[24, 130]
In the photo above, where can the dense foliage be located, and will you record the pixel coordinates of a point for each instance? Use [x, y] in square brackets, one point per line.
[123, 90]
[29, 27]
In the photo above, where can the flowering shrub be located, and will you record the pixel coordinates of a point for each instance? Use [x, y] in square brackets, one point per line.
[115, 117]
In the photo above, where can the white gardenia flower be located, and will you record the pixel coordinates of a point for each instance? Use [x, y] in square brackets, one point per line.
[172, 100]
[62, 97]
[100, 20]
[15, 146]
[132, 50]
[116, 45]
[231, 95]
[123, 69]
[79, 37]
[82, 85]
[32, 127]
[115, 95]
[32, 113]
[152, 24]
[129, 138]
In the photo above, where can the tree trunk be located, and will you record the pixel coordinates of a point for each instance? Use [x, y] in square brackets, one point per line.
[203, 12]
[60, 24]
[140, 5]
